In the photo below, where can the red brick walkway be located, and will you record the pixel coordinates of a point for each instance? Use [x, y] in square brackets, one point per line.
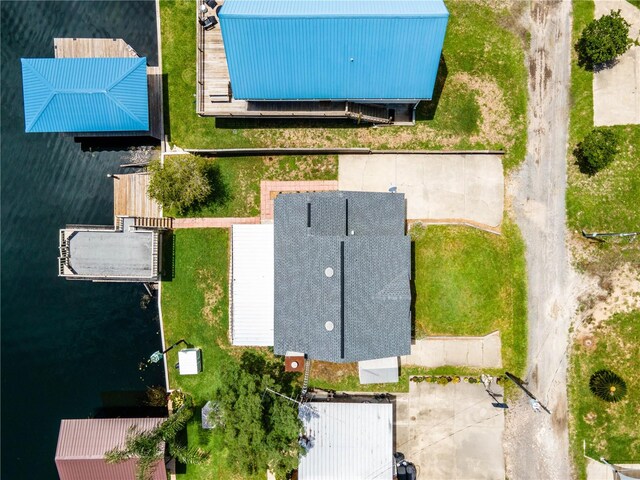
[222, 222]
[269, 189]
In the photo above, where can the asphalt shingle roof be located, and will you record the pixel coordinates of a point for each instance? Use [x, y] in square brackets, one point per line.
[360, 237]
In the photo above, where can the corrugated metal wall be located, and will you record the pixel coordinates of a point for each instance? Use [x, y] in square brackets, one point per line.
[85, 94]
[333, 50]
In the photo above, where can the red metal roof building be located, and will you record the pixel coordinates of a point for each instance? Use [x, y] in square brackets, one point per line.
[83, 443]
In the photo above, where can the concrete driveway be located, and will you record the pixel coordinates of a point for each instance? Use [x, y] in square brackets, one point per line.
[616, 90]
[450, 431]
[446, 188]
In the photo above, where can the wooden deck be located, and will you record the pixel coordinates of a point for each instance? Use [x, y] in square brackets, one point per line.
[92, 48]
[130, 197]
[116, 48]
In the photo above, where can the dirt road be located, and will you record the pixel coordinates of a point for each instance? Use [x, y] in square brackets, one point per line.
[536, 444]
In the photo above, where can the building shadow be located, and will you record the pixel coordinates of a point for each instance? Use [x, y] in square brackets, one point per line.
[168, 256]
[115, 143]
[166, 113]
[414, 293]
[126, 404]
[427, 109]
[302, 123]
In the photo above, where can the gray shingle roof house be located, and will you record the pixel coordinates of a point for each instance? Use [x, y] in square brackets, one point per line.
[342, 272]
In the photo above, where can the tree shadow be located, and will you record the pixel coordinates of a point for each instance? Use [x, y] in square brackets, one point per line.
[220, 192]
[427, 109]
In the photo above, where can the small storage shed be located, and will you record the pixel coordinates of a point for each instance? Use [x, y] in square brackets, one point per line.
[82, 445]
[190, 361]
[85, 94]
[350, 441]
[377, 50]
[252, 286]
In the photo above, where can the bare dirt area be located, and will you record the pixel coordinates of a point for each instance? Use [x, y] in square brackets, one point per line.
[536, 444]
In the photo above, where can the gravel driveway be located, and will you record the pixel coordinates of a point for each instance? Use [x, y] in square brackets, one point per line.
[536, 444]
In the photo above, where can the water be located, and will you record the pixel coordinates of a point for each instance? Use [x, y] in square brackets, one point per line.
[63, 343]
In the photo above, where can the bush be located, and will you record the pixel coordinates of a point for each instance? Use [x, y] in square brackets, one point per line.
[597, 150]
[607, 386]
[603, 40]
[182, 182]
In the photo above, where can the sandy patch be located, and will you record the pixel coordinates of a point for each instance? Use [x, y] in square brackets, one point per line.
[213, 294]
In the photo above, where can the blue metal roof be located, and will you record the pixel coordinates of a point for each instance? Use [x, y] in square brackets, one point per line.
[333, 49]
[85, 94]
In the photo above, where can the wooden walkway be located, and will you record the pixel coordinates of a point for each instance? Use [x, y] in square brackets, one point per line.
[130, 197]
[92, 48]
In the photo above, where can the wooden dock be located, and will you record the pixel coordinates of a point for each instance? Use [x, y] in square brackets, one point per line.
[92, 48]
[116, 48]
[130, 197]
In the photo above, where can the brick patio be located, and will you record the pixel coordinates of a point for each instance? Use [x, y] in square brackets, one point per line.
[270, 189]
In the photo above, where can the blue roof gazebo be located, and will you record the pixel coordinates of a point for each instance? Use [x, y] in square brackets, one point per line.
[85, 94]
[353, 50]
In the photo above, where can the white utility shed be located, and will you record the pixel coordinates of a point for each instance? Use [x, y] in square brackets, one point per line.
[349, 441]
[251, 285]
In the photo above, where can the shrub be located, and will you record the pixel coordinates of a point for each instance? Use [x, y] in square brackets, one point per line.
[180, 183]
[442, 380]
[597, 150]
[607, 386]
[156, 396]
[603, 40]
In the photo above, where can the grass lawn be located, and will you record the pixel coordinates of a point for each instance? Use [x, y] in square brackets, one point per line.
[195, 307]
[236, 189]
[470, 282]
[609, 429]
[607, 201]
[482, 93]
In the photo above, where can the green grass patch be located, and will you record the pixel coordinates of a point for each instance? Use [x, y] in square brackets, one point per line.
[480, 101]
[609, 429]
[470, 282]
[236, 189]
[195, 307]
[608, 200]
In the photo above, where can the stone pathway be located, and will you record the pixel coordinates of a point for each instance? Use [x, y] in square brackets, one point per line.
[210, 222]
[616, 90]
[270, 189]
[478, 352]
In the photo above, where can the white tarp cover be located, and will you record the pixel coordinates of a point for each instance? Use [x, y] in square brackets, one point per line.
[349, 441]
[380, 370]
[252, 285]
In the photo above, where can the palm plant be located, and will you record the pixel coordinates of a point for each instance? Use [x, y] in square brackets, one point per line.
[607, 386]
[146, 446]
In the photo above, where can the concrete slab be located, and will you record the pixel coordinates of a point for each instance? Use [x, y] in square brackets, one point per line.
[450, 431]
[479, 352]
[437, 187]
[600, 471]
[616, 90]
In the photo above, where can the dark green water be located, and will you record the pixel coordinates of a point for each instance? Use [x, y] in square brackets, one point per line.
[64, 344]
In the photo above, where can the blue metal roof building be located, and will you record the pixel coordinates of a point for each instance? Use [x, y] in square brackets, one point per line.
[85, 94]
[333, 49]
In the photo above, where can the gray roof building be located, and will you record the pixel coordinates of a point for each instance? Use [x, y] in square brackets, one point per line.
[125, 253]
[342, 272]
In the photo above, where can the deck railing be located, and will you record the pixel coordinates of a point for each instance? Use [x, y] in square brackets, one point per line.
[199, 61]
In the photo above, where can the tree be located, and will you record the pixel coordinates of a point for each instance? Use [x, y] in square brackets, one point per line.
[261, 429]
[597, 150]
[182, 182]
[603, 40]
[145, 446]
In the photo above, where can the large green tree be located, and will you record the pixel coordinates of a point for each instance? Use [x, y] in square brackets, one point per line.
[603, 40]
[261, 429]
[180, 183]
[597, 150]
